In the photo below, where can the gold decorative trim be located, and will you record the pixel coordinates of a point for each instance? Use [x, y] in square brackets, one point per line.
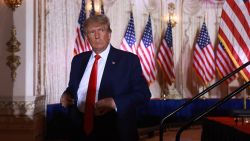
[22, 108]
[13, 61]
[13, 44]
[171, 8]
[22, 119]
[13, 4]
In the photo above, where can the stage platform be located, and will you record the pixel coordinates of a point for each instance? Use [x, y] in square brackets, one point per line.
[149, 115]
[157, 109]
[225, 129]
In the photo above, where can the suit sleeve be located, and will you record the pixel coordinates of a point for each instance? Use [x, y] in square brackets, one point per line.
[75, 76]
[139, 92]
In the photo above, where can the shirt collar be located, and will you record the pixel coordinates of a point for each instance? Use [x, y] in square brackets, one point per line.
[104, 54]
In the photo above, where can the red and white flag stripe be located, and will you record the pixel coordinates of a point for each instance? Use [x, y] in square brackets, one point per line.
[234, 32]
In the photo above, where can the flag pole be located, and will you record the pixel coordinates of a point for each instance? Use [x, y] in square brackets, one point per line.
[245, 101]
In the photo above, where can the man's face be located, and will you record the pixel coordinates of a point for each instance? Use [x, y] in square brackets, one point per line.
[98, 36]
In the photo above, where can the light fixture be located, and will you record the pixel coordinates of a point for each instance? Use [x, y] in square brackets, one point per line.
[171, 16]
[13, 4]
[13, 61]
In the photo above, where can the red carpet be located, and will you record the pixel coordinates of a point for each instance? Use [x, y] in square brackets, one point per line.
[224, 129]
[230, 121]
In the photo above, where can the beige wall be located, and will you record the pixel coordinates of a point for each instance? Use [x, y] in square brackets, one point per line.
[5, 26]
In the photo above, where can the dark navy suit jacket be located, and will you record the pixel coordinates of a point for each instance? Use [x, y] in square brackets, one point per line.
[123, 81]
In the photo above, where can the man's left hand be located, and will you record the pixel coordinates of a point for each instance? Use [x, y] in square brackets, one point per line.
[104, 106]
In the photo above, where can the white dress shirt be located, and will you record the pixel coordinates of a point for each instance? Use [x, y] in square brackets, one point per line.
[83, 86]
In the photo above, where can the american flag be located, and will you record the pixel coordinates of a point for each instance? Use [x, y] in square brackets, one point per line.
[234, 32]
[203, 62]
[165, 55]
[81, 43]
[224, 64]
[129, 40]
[146, 53]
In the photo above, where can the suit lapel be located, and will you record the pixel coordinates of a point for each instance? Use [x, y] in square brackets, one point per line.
[106, 77]
[83, 63]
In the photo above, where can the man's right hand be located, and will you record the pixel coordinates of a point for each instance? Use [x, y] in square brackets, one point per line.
[66, 100]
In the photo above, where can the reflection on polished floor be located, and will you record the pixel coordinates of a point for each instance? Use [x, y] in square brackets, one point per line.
[192, 134]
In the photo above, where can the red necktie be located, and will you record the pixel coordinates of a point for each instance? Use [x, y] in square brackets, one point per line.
[90, 98]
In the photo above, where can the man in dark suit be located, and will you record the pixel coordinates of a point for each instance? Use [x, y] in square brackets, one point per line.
[120, 88]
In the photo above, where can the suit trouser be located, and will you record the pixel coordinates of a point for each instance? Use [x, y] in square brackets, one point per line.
[104, 127]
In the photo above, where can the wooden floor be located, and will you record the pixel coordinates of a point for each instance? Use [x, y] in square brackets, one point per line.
[192, 134]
